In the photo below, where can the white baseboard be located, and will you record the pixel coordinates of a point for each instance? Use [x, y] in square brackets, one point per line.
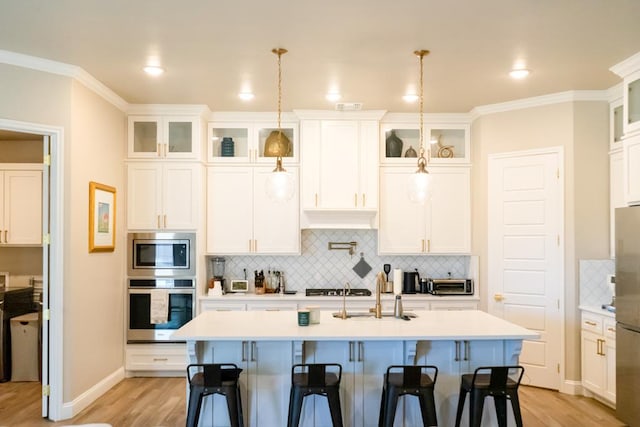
[73, 408]
[571, 387]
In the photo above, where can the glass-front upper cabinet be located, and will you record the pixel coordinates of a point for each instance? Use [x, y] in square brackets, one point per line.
[159, 137]
[616, 121]
[231, 142]
[443, 143]
[632, 95]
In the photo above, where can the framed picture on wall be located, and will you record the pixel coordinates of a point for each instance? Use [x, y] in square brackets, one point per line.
[102, 217]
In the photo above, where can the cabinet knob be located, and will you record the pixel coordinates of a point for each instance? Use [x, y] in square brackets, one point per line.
[498, 297]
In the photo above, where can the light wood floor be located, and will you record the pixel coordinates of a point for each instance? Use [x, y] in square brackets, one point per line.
[152, 402]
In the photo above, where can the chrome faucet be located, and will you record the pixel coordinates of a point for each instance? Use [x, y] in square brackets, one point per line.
[343, 313]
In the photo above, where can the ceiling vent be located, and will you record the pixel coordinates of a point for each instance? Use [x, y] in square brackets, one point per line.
[349, 106]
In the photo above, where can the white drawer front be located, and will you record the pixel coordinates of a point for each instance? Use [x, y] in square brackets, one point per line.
[592, 322]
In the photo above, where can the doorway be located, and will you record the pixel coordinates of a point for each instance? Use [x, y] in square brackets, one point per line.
[526, 255]
[52, 253]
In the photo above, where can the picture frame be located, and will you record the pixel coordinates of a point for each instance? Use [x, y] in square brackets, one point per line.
[102, 217]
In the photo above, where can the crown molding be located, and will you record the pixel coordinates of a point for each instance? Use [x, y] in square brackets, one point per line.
[628, 66]
[62, 69]
[615, 93]
[251, 116]
[169, 109]
[538, 101]
[430, 118]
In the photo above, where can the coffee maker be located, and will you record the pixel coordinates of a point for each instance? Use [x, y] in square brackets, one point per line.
[216, 270]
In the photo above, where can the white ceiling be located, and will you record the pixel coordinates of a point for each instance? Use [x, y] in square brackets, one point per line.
[212, 49]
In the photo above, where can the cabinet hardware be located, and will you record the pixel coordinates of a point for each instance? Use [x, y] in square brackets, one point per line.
[355, 200]
[590, 323]
[422, 247]
[360, 351]
[498, 297]
[316, 200]
[428, 245]
[244, 351]
[6, 236]
[158, 150]
[160, 359]
[364, 200]
[350, 351]
[254, 351]
[255, 246]
[457, 356]
[158, 221]
[610, 329]
[466, 350]
[165, 221]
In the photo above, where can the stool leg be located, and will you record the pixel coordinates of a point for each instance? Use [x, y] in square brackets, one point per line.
[515, 404]
[461, 397]
[239, 404]
[382, 400]
[334, 407]
[428, 408]
[295, 407]
[476, 404]
[231, 397]
[501, 410]
[195, 403]
[390, 404]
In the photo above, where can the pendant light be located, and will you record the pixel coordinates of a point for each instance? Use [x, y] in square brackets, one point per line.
[420, 182]
[280, 185]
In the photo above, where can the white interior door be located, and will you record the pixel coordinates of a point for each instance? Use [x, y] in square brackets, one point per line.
[526, 257]
[44, 338]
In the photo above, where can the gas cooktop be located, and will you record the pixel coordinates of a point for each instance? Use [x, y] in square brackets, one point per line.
[337, 292]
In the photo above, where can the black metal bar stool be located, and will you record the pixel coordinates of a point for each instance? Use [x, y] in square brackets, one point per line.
[413, 380]
[501, 382]
[214, 378]
[308, 379]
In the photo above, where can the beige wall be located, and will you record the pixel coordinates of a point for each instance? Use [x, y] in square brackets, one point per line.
[581, 129]
[93, 149]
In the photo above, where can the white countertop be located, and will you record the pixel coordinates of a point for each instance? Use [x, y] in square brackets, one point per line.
[283, 326]
[301, 296]
[597, 310]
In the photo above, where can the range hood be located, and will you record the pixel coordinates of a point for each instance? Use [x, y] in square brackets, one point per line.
[350, 219]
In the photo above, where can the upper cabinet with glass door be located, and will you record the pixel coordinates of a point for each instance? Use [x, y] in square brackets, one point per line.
[444, 144]
[629, 71]
[236, 142]
[162, 137]
[616, 120]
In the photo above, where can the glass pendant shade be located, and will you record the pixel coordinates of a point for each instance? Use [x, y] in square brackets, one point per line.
[280, 185]
[419, 187]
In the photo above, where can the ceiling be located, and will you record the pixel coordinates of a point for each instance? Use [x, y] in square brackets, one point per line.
[212, 50]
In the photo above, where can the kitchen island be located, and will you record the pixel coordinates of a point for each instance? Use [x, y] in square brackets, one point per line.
[266, 344]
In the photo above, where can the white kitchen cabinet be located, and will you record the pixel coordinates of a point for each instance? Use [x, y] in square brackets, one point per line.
[631, 170]
[218, 304]
[339, 165]
[444, 143]
[164, 137]
[163, 195]
[248, 141]
[156, 357]
[598, 346]
[616, 193]
[454, 305]
[20, 204]
[440, 226]
[241, 218]
[363, 365]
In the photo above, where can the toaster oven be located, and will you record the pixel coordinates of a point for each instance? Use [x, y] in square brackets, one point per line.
[450, 286]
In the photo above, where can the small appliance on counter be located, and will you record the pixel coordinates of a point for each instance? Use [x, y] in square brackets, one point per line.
[216, 282]
[410, 282]
[450, 286]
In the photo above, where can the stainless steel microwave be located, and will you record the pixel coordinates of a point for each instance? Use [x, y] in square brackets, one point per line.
[161, 254]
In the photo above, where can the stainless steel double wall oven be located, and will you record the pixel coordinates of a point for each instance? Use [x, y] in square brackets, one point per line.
[161, 278]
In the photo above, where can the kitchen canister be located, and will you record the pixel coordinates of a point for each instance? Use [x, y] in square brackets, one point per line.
[314, 315]
[227, 147]
[397, 281]
[303, 317]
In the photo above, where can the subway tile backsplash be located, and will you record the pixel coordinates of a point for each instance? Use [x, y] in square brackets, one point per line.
[594, 290]
[319, 267]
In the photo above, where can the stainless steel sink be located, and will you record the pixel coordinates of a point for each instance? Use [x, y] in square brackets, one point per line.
[370, 315]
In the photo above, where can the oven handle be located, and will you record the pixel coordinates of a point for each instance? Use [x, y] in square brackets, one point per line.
[169, 290]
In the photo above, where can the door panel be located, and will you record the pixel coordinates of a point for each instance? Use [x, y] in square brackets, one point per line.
[525, 255]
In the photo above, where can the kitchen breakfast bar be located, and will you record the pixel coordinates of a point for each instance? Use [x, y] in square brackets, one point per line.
[266, 344]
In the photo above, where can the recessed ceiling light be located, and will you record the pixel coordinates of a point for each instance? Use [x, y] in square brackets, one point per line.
[333, 96]
[410, 97]
[153, 70]
[246, 96]
[520, 73]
